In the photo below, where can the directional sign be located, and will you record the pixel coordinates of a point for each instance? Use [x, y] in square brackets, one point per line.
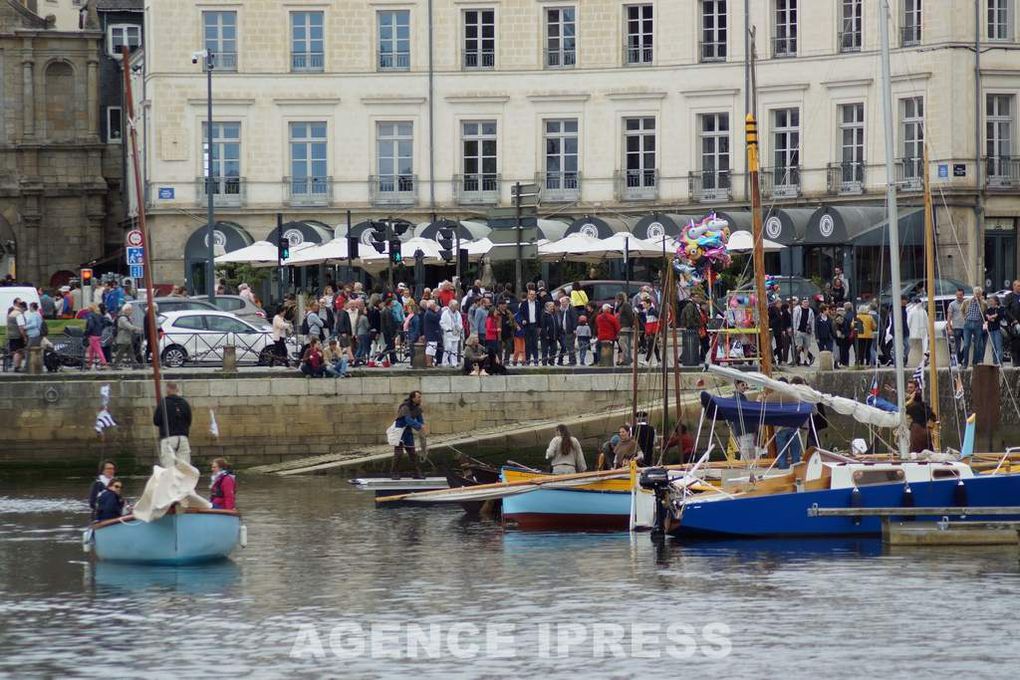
[136, 271]
[135, 256]
[526, 189]
[508, 236]
[506, 253]
[134, 238]
[510, 213]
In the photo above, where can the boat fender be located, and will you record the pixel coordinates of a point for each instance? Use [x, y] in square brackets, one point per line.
[86, 541]
[244, 536]
[908, 500]
[856, 502]
[960, 495]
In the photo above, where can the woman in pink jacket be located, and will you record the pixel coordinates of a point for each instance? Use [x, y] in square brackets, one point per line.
[222, 490]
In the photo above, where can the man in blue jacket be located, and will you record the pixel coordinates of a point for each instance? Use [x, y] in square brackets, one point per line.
[566, 326]
[433, 333]
[529, 317]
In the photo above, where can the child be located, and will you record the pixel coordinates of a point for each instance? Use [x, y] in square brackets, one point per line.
[583, 338]
[518, 357]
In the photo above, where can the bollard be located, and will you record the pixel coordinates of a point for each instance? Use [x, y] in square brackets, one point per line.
[418, 355]
[825, 360]
[916, 354]
[942, 350]
[606, 351]
[229, 359]
[35, 362]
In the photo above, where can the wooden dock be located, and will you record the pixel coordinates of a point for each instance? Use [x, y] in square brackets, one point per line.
[896, 531]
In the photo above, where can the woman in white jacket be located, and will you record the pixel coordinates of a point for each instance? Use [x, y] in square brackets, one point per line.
[453, 333]
[565, 453]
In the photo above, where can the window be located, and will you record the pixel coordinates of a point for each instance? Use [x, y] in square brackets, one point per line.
[640, 31]
[114, 125]
[479, 38]
[225, 175]
[850, 26]
[714, 130]
[561, 153]
[560, 37]
[910, 33]
[786, 151]
[306, 41]
[785, 36]
[224, 324]
[221, 38]
[122, 35]
[713, 30]
[395, 157]
[999, 133]
[478, 139]
[851, 150]
[193, 323]
[308, 161]
[639, 151]
[1000, 19]
[912, 127]
[395, 40]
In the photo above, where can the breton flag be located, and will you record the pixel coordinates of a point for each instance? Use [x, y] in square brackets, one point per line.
[104, 421]
[874, 388]
[214, 429]
[104, 395]
[919, 373]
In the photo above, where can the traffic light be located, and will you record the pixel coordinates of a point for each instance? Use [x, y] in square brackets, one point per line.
[462, 260]
[86, 277]
[283, 249]
[445, 241]
[352, 247]
[399, 228]
[379, 237]
[396, 257]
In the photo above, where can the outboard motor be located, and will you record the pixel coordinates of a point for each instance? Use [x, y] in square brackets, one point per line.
[656, 479]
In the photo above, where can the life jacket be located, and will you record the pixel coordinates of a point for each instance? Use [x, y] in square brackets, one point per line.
[217, 488]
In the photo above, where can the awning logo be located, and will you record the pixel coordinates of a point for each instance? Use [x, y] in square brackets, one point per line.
[589, 229]
[773, 227]
[294, 236]
[826, 225]
[656, 230]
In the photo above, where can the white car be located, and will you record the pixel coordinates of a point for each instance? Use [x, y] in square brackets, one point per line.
[197, 336]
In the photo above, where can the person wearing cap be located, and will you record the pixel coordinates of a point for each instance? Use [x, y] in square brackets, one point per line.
[583, 333]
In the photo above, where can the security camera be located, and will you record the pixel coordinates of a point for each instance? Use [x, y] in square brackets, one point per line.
[196, 56]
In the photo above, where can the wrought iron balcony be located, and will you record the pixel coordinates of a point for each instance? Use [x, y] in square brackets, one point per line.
[637, 185]
[309, 190]
[638, 55]
[228, 192]
[222, 61]
[846, 178]
[849, 41]
[783, 48]
[713, 51]
[708, 186]
[910, 174]
[477, 188]
[559, 187]
[1002, 172]
[562, 58]
[910, 35]
[780, 181]
[393, 189]
[394, 61]
[307, 61]
[479, 59]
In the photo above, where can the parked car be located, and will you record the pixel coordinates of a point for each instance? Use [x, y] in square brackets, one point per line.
[600, 292]
[237, 305]
[197, 336]
[180, 304]
[915, 287]
[789, 286]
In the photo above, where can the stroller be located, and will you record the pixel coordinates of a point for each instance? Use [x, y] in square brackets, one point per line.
[68, 350]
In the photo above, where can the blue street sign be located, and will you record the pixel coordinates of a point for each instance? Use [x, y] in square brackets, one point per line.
[135, 256]
[943, 170]
[137, 271]
[166, 193]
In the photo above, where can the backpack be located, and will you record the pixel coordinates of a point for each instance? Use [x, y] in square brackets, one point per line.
[304, 326]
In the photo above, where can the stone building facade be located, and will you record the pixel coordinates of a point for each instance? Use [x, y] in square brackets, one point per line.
[52, 190]
[617, 107]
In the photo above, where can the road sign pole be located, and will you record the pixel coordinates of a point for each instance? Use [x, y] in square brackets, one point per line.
[519, 268]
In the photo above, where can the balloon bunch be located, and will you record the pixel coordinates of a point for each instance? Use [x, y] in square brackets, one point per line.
[702, 248]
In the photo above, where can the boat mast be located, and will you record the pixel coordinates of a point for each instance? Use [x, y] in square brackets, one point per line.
[150, 309]
[929, 273]
[902, 436]
[764, 345]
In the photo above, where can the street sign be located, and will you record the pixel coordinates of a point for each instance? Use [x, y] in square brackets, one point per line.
[509, 236]
[959, 169]
[166, 193]
[526, 190]
[136, 271]
[504, 223]
[134, 238]
[510, 213]
[135, 256]
[943, 170]
[506, 253]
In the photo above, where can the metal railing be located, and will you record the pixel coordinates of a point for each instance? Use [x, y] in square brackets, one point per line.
[638, 55]
[477, 188]
[309, 190]
[849, 41]
[846, 178]
[1003, 172]
[394, 61]
[910, 35]
[207, 347]
[637, 185]
[559, 187]
[780, 182]
[713, 51]
[307, 61]
[707, 186]
[222, 61]
[562, 58]
[910, 174]
[228, 192]
[479, 59]
[784, 47]
[393, 189]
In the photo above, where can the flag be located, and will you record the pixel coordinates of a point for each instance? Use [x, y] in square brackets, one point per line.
[104, 396]
[104, 421]
[214, 429]
[874, 388]
[918, 376]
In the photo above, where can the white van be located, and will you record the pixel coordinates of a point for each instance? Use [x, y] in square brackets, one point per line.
[8, 295]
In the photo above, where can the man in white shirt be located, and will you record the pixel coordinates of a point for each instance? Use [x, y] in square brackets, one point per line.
[453, 333]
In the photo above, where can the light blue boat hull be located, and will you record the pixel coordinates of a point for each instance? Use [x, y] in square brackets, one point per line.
[568, 509]
[185, 538]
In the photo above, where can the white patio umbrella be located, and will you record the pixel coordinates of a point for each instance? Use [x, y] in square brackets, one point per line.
[618, 243]
[478, 249]
[331, 252]
[258, 254]
[743, 241]
[574, 248]
[372, 260]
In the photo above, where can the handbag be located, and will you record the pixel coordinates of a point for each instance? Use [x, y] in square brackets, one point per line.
[394, 434]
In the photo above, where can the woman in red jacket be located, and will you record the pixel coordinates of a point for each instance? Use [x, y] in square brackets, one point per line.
[607, 328]
[223, 490]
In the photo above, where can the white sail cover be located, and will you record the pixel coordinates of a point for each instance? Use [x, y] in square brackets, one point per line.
[862, 413]
[167, 486]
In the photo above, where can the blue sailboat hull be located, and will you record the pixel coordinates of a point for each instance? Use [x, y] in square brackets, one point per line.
[786, 514]
[174, 539]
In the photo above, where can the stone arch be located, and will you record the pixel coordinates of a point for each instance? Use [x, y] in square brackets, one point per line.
[60, 111]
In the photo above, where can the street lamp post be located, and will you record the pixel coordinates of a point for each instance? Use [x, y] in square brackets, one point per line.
[210, 237]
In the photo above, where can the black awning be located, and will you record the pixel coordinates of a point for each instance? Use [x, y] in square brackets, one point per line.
[786, 225]
[841, 224]
[602, 227]
[657, 225]
[302, 231]
[230, 235]
[911, 231]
